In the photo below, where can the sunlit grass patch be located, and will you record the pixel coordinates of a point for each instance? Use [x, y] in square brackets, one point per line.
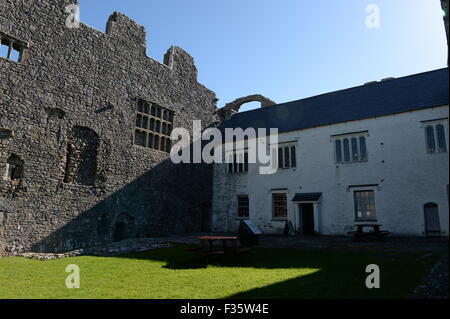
[174, 273]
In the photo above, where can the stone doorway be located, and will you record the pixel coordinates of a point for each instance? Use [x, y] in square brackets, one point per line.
[124, 227]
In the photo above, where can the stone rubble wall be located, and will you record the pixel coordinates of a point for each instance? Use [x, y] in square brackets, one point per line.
[81, 77]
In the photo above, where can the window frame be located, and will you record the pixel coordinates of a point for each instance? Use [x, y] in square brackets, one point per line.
[275, 206]
[154, 137]
[235, 166]
[347, 144]
[239, 207]
[437, 137]
[292, 161]
[14, 44]
[372, 217]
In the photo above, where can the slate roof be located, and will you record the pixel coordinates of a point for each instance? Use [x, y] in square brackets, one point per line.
[414, 92]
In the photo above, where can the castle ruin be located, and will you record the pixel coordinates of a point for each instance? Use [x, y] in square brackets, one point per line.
[85, 123]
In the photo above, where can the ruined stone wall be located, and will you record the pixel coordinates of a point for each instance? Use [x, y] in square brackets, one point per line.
[68, 111]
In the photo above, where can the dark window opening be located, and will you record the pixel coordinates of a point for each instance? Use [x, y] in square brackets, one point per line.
[431, 141]
[293, 157]
[338, 151]
[81, 158]
[365, 205]
[279, 206]
[355, 149]
[363, 148]
[14, 168]
[124, 228]
[239, 162]
[346, 150]
[243, 206]
[153, 126]
[287, 157]
[350, 149]
[441, 141]
[102, 226]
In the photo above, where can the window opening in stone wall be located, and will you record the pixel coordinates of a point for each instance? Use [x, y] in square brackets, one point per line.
[124, 227]
[81, 158]
[154, 126]
[10, 48]
[14, 168]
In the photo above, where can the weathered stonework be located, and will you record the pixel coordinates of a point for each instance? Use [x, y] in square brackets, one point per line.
[68, 111]
[232, 108]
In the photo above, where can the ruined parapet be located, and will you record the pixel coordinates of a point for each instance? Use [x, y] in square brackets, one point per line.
[181, 62]
[125, 29]
[232, 108]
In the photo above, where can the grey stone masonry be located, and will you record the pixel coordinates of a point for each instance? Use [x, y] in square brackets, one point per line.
[71, 174]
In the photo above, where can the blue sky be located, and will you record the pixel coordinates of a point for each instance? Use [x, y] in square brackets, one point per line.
[287, 49]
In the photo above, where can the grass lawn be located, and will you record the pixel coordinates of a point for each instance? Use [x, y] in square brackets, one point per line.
[173, 273]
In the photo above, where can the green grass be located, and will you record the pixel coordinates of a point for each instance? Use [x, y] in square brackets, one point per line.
[173, 273]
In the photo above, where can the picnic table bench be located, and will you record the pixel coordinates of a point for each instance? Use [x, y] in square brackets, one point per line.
[377, 232]
[207, 248]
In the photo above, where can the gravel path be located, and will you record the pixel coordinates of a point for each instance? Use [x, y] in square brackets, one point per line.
[436, 284]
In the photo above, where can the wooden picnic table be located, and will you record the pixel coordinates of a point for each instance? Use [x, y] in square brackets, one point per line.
[229, 246]
[377, 232]
[224, 239]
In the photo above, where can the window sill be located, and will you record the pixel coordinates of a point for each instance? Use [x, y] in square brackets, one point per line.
[351, 162]
[279, 219]
[366, 220]
[149, 149]
[72, 186]
[8, 60]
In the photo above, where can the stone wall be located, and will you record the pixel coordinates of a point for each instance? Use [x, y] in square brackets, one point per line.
[68, 111]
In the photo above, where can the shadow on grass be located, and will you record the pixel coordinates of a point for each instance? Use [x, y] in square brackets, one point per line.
[340, 275]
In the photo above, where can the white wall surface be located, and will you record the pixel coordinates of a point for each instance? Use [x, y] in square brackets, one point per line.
[407, 177]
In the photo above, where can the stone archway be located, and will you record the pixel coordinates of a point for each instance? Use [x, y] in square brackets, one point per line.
[232, 108]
